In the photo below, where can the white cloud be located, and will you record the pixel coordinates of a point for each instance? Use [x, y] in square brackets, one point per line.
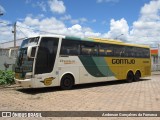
[76, 27]
[23, 30]
[107, 1]
[78, 21]
[45, 25]
[5, 31]
[151, 11]
[118, 29]
[144, 31]
[92, 34]
[31, 22]
[32, 26]
[78, 30]
[146, 28]
[57, 6]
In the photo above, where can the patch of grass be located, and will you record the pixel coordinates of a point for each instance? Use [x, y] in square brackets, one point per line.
[6, 77]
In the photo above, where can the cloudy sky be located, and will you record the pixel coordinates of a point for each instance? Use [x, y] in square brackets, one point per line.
[135, 21]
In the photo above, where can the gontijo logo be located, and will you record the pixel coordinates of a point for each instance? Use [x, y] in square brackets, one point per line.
[123, 61]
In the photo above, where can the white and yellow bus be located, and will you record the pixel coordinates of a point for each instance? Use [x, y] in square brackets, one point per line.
[57, 60]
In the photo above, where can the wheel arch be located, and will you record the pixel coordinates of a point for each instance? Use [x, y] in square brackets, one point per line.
[67, 73]
[130, 70]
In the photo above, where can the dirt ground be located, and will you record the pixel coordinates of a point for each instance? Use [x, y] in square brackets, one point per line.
[143, 95]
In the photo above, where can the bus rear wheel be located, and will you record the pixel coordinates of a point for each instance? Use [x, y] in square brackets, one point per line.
[130, 77]
[67, 82]
[137, 76]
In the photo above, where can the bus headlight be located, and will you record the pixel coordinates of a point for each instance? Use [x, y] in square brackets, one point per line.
[28, 75]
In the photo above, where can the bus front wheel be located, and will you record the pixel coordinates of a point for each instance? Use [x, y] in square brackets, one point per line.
[130, 77]
[67, 82]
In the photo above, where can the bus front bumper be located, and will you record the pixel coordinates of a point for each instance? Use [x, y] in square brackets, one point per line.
[24, 83]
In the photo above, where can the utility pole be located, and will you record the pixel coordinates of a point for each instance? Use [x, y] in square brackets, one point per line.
[14, 32]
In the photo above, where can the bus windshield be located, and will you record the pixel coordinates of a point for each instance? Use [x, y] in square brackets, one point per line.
[23, 63]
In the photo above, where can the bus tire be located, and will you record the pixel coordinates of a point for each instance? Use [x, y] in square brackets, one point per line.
[137, 76]
[67, 82]
[130, 77]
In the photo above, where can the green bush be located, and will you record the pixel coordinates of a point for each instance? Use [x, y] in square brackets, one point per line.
[6, 77]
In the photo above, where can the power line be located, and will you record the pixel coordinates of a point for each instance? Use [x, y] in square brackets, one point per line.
[4, 23]
[22, 32]
[37, 30]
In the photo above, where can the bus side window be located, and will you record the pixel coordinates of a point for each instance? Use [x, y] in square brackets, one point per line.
[138, 52]
[105, 49]
[118, 50]
[129, 51]
[122, 52]
[147, 53]
[70, 47]
[89, 48]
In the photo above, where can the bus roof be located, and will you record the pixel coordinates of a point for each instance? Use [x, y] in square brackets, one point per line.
[98, 40]
[103, 40]
[51, 35]
[118, 42]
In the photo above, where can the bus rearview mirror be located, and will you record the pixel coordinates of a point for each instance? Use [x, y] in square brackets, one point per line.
[31, 52]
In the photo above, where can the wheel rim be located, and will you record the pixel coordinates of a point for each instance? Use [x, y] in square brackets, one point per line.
[67, 82]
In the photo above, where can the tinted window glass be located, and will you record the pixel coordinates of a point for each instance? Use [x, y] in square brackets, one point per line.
[33, 52]
[142, 52]
[147, 53]
[46, 55]
[119, 51]
[70, 47]
[106, 50]
[89, 48]
[75, 47]
[129, 51]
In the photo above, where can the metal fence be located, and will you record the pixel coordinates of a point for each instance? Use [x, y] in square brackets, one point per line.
[155, 67]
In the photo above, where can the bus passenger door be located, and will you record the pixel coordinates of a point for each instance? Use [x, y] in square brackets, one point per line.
[45, 62]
